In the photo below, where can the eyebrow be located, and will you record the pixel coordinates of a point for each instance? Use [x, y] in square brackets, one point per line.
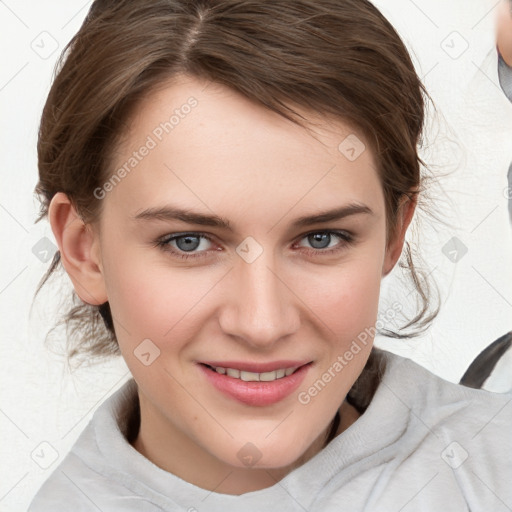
[167, 213]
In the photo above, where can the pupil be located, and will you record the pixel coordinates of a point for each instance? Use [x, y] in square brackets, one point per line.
[320, 238]
[187, 243]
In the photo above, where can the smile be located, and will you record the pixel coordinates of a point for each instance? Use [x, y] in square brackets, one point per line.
[254, 377]
[255, 388]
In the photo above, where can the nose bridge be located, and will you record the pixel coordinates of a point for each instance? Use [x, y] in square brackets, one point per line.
[261, 311]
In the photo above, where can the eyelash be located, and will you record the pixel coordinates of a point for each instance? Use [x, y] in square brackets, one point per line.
[163, 244]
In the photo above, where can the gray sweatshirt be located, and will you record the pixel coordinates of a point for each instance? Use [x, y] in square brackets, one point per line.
[422, 444]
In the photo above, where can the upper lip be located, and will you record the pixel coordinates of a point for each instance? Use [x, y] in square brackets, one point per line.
[256, 367]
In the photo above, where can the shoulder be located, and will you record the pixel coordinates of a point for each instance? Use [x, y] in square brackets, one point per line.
[442, 403]
[458, 432]
[71, 486]
[89, 478]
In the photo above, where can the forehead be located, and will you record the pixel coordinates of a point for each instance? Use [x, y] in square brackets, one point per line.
[203, 143]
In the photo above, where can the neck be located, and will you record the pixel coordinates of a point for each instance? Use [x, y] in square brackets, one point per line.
[215, 474]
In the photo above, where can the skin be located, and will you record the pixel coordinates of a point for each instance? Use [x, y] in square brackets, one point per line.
[504, 30]
[231, 157]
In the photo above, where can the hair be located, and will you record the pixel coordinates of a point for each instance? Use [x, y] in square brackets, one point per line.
[340, 59]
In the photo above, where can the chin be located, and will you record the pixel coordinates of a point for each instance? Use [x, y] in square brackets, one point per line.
[267, 455]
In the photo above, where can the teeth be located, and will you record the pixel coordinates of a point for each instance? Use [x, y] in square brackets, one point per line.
[255, 377]
[232, 373]
[249, 376]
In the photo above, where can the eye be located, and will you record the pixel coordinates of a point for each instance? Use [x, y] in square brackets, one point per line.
[184, 245]
[196, 245]
[327, 242]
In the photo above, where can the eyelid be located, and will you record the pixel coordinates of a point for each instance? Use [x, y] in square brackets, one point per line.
[346, 238]
[164, 240]
[340, 232]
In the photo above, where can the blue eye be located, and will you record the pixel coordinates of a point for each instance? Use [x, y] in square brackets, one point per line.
[184, 243]
[190, 245]
[322, 239]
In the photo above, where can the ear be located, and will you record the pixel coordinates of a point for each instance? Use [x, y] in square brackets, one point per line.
[406, 208]
[79, 250]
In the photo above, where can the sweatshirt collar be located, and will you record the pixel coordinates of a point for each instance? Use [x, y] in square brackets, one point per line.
[344, 457]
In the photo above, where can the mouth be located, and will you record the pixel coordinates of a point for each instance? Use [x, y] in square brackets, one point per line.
[251, 376]
[256, 388]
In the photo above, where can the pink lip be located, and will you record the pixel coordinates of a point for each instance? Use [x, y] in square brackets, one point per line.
[256, 393]
[257, 367]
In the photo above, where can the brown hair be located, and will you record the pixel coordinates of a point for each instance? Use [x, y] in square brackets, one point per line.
[336, 58]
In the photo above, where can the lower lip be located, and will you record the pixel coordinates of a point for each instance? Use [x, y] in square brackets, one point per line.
[256, 393]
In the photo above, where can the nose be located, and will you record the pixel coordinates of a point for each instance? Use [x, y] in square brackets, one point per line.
[261, 308]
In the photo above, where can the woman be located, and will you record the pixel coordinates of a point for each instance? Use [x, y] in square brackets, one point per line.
[228, 183]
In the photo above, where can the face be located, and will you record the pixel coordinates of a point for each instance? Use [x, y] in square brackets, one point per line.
[244, 275]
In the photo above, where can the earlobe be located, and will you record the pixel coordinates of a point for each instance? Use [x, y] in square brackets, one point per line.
[406, 210]
[79, 250]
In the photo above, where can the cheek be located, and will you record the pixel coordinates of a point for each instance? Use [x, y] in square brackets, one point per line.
[165, 306]
[157, 301]
[344, 299]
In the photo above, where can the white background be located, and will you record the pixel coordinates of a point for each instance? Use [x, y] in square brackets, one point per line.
[469, 142]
